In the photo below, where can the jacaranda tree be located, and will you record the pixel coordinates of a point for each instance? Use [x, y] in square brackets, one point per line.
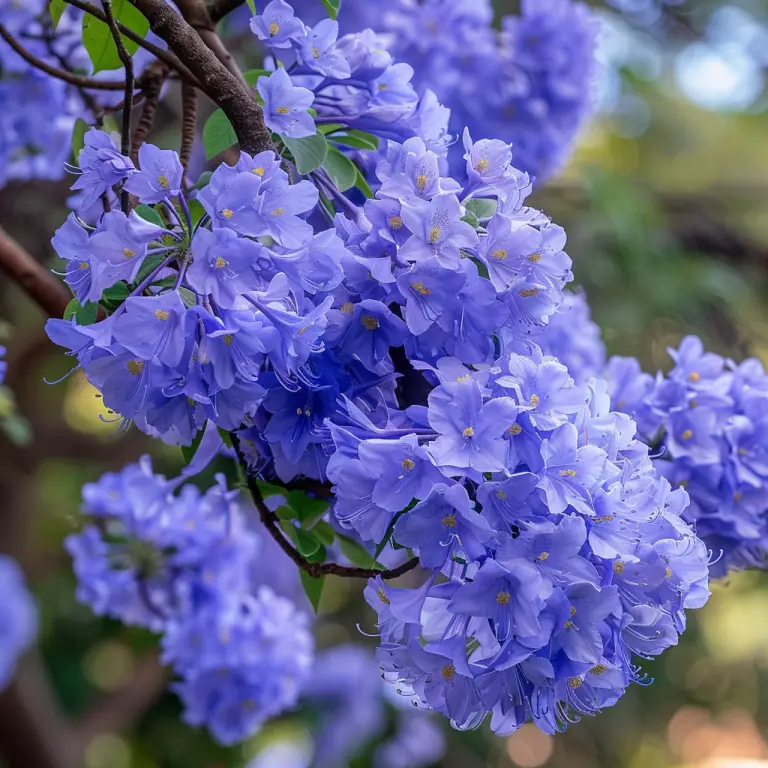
[359, 314]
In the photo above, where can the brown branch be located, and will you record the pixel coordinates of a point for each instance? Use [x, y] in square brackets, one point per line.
[167, 56]
[196, 15]
[221, 8]
[272, 524]
[127, 59]
[188, 125]
[216, 81]
[78, 81]
[40, 285]
[154, 77]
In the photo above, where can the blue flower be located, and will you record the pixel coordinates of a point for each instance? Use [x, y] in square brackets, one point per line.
[160, 175]
[18, 626]
[286, 105]
[277, 25]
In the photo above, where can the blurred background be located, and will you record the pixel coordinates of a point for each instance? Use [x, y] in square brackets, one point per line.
[665, 202]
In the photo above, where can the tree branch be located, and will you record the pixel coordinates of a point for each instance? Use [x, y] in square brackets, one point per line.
[127, 59]
[78, 81]
[270, 521]
[216, 81]
[169, 58]
[222, 7]
[154, 77]
[40, 285]
[188, 124]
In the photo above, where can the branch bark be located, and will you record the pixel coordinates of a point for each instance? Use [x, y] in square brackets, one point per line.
[216, 81]
[221, 8]
[79, 81]
[39, 284]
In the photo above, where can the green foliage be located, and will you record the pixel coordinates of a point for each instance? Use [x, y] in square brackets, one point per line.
[56, 8]
[332, 6]
[98, 40]
[252, 75]
[218, 134]
[78, 136]
[356, 554]
[356, 139]
[85, 314]
[189, 451]
[150, 215]
[481, 208]
[313, 588]
[341, 169]
[308, 153]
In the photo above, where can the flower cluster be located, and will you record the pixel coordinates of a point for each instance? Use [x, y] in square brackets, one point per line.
[530, 83]
[18, 625]
[555, 552]
[706, 419]
[385, 343]
[180, 565]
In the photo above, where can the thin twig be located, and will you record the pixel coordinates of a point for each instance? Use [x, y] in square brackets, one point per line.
[127, 59]
[79, 81]
[188, 124]
[39, 284]
[167, 56]
[271, 522]
[154, 77]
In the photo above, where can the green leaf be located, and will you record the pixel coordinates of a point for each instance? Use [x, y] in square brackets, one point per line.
[309, 510]
[332, 6]
[113, 297]
[17, 429]
[252, 6]
[306, 542]
[78, 136]
[149, 265]
[363, 185]
[97, 36]
[356, 554]
[85, 314]
[150, 215]
[285, 513]
[319, 557]
[226, 438]
[330, 128]
[57, 8]
[324, 532]
[471, 219]
[341, 169]
[203, 179]
[482, 208]
[196, 211]
[189, 451]
[218, 134]
[267, 489]
[252, 75]
[313, 588]
[309, 153]
[356, 139]
[391, 529]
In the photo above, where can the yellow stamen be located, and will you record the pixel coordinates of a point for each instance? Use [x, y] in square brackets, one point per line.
[574, 682]
[599, 669]
[395, 222]
[278, 212]
[408, 464]
[229, 338]
[618, 567]
[503, 598]
[421, 181]
[515, 429]
[526, 293]
[448, 672]
[369, 322]
[162, 180]
[347, 307]
[501, 495]
[258, 171]
[162, 314]
[434, 235]
[668, 573]
[687, 435]
[468, 432]
[534, 258]
[135, 367]
[694, 377]
[316, 52]
[220, 263]
[282, 111]
[421, 288]
[449, 521]
[542, 557]
[129, 253]
[499, 254]
[535, 400]
[567, 473]
[227, 213]
[482, 165]
[382, 595]
[274, 28]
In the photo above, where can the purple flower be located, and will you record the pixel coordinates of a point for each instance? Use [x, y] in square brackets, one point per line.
[318, 53]
[437, 231]
[286, 105]
[277, 25]
[223, 266]
[443, 524]
[471, 433]
[160, 175]
[507, 250]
